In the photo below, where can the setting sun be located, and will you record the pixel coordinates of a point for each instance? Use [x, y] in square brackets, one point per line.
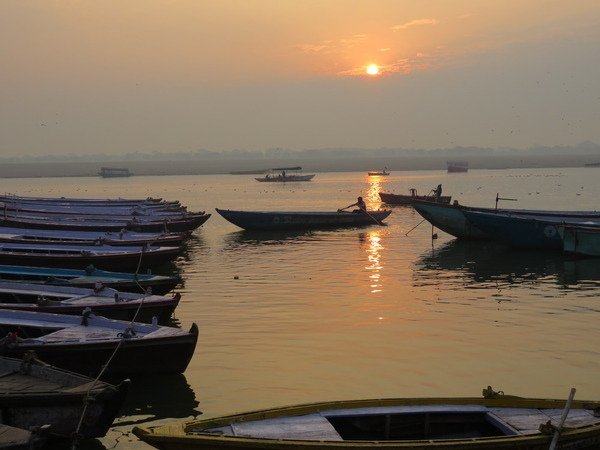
[373, 69]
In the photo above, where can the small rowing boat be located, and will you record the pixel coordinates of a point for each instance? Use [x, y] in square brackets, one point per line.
[102, 300]
[301, 220]
[35, 394]
[496, 423]
[91, 277]
[84, 344]
[399, 199]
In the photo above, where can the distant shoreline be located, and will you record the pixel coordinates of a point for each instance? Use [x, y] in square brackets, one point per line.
[245, 166]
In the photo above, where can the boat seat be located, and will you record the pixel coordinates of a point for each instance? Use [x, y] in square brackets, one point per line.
[308, 427]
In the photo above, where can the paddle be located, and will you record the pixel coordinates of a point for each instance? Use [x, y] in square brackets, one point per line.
[378, 222]
[565, 413]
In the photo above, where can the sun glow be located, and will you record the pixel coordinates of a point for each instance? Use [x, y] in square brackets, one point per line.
[373, 69]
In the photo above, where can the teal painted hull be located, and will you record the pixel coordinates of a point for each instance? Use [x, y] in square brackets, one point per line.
[449, 219]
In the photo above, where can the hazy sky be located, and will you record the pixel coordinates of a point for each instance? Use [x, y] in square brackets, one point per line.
[120, 76]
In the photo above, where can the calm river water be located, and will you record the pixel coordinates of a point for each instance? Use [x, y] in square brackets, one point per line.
[369, 312]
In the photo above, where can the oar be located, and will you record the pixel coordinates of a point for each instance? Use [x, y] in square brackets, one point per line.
[374, 219]
[414, 227]
[565, 413]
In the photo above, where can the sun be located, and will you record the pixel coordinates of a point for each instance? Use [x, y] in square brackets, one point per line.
[373, 69]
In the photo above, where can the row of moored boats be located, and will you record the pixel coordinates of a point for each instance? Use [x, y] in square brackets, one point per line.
[70, 325]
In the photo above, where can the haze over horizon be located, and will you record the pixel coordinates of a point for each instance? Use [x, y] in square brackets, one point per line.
[122, 77]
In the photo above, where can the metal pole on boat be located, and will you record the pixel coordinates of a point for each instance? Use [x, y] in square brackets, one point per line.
[507, 199]
[565, 413]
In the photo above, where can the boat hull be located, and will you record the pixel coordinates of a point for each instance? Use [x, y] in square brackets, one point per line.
[263, 221]
[580, 240]
[449, 219]
[319, 426]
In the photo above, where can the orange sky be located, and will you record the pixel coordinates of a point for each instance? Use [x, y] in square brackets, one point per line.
[71, 54]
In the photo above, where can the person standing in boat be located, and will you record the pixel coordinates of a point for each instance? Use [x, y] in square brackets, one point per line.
[360, 204]
[438, 192]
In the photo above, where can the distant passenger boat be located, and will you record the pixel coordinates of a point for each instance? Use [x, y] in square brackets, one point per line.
[380, 173]
[112, 172]
[282, 174]
[457, 166]
[298, 220]
[491, 422]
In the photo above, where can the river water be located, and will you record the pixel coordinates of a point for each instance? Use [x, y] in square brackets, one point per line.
[380, 311]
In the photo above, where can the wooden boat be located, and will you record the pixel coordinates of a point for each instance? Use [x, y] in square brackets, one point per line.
[282, 174]
[537, 232]
[123, 237]
[186, 224]
[92, 213]
[450, 218]
[89, 201]
[12, 438]
[102, 300]
[399, 199]
[498, 423]
[580, 240]
[35, 394]
[84, 344]
[91, 277]
[457, 166]
[81, 256]
[298, 220]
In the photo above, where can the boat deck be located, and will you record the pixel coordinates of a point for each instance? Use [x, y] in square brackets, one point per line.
[317, 426]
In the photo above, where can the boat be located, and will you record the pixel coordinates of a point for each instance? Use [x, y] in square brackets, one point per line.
[92, 277]
[457, 166]
[12, 438]
[536, 232]
[301, 220]
[493, 423]
[36, 394]
[102, 300]
[381, 173]
[80, 256]
[282, 174]
[112, 172]
[450, 218]
[149, 201]
[84, 344]
[580, 240]
[103, 212]
[399, 199]
[123, 237]
[186, 224]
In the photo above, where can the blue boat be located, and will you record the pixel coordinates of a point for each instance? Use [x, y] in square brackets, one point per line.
[540, 232]
[580, 240]
[295, 220]
[452, 220]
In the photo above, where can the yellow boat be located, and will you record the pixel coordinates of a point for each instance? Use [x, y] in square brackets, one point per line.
[495, 421]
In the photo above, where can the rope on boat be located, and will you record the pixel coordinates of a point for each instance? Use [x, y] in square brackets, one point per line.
[126, 334]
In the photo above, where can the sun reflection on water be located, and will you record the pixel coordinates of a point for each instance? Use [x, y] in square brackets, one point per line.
[374, 265]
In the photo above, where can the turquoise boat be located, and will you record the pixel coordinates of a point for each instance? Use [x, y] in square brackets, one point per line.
[580, 240]
[450, 219]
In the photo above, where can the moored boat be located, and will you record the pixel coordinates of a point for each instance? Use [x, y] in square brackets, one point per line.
[539, 232]
[496, 423]
[379, 173]
[85, 344]
[123, 237]
[457, 166]
[81, 256]
[301, 220]
[35, 394]
[91, 277]
[102, 300]
[285, 174]
[399, 199]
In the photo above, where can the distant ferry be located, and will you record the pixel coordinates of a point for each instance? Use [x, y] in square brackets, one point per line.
[457, 166]
[110, 172]
[282, 174]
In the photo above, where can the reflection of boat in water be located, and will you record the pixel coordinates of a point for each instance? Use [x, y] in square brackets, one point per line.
[473, 263]
[177, 400]
[282, 174]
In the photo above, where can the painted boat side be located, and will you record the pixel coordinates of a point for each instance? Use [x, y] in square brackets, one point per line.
[449, 219]
[580, 240]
